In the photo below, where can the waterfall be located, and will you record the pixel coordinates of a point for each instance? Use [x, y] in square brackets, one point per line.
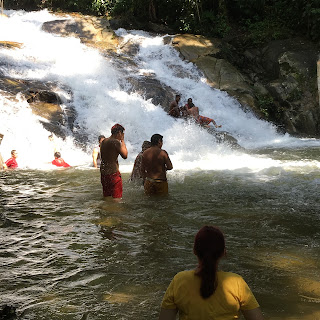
[94, 91]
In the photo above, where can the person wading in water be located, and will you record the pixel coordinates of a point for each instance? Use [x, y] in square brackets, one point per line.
[155, 163]
[110, 149]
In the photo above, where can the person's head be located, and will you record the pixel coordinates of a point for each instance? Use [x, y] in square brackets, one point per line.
[156, 139]
[50, 137]
[14, 154]
[178, 97]
[57, 155]
[209, 247]
[189, 100]
[100, 138]
[1, 137]
[146, 145]
[117, 131]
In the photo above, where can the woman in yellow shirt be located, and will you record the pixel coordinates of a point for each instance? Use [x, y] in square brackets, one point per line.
[206, 293]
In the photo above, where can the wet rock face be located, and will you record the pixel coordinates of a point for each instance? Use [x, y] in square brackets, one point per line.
[277, 82]
[151, 88]
[43, 101]
[91, 30]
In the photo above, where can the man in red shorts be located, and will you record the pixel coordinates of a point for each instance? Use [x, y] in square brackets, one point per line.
[110, 149]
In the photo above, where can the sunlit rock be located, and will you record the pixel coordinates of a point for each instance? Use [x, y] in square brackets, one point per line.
[277, 82]
[10, 44]
[44, 102]
[91, 30]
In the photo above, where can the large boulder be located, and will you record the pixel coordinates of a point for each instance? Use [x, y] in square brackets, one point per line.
[290, 77]
[42, 99]
[91, 30]
[277, 82]
[220, 73]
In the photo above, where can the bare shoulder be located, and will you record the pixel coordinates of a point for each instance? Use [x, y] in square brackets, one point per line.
[164, 153]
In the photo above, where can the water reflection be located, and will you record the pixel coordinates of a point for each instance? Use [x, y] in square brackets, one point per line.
[67, 253]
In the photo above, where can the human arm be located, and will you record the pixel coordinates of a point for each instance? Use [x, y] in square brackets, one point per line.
[168, 163]
[123, 148]
[253, 314]
[168, 314]
[143, 169]
[95, 157]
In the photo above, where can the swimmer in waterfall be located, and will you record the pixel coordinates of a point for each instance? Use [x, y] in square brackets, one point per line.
[110, 149]
[155, 163]
[96, 156]
[58, 161]
[136, 171]
[174, 110]
[206, 292]
[12, 162]
[193, 112]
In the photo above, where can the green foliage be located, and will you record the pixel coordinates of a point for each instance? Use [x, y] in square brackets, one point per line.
[265, 104]
[265, 30]
[243, 9]
[263, 19]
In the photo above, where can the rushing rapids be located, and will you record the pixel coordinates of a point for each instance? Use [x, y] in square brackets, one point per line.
[67, 254]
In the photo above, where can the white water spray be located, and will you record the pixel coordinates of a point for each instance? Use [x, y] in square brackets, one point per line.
[100, 102]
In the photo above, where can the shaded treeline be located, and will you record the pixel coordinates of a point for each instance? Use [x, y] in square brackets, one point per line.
[262, 20]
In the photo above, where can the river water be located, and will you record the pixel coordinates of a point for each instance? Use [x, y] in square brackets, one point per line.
[68, 254]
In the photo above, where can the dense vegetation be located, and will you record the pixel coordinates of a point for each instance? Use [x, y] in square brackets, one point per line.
[261, 20]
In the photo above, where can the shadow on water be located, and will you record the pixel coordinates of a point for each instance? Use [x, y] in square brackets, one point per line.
[68, 254]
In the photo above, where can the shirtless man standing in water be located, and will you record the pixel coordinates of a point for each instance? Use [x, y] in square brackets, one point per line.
[155, 163]
[110, 149]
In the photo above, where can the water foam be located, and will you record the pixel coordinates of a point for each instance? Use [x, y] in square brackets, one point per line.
[100, 102]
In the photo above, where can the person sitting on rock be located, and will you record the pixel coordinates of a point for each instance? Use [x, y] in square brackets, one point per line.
[193, 111]
[58, 161]
[174, 110]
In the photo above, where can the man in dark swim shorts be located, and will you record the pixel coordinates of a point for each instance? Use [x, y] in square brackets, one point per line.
[155, 162]
[110, 149]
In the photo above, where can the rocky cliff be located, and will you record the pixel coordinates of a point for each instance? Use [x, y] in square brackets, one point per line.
[278, 82]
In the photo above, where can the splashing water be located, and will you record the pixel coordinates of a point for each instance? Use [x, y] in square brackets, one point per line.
[100, 102]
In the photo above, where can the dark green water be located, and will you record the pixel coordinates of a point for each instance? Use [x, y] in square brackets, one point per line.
[66, 253]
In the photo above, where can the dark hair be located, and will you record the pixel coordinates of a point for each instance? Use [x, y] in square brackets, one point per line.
[117, 128]
[13, 151]
[57, 155]
[145, 145]
[155, 139]
[209, 247]
[100, 137]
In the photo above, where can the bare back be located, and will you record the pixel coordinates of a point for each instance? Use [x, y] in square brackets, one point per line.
[110, 150]
[155, 163]
[194, 112]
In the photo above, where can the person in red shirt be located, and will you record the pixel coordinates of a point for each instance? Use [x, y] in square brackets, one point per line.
[58, 161]
[12, 162]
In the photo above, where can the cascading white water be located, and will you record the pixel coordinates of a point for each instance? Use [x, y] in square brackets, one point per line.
[100, 102]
